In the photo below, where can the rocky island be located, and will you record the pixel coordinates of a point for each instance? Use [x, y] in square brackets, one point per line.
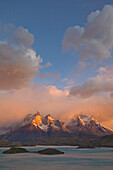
[15, 150]
[50, 151]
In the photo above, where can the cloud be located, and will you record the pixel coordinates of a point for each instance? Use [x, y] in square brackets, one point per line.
[64, 79]
[56, 92]
[51, 100]
[19, 63]
[102, 70]
[18, 66]
[46, 99]
[95, 39]
[111, 95]
[48, 64]
[82, 64]
[103, 82]
[23, 37]
[43, 75]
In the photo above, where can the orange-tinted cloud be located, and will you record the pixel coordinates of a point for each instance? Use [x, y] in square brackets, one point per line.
[102, 83]
[17, 103]
[19, 63]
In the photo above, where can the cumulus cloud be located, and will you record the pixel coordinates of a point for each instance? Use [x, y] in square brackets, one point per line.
[18, 66]
[95, 39]
[23, 36]
[19, 63]
[103, 82]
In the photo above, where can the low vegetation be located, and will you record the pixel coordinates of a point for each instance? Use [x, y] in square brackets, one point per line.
[50, 151]
[6, 143]
[15, 150]
[82, 141]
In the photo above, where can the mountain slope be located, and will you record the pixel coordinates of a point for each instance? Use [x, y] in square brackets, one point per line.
[28, 130]
[25, 133]
[85, 124]
[34, 127]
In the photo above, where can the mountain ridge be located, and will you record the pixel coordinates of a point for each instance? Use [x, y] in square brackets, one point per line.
[35, 127]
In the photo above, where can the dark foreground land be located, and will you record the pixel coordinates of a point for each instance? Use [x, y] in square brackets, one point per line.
[82, 141]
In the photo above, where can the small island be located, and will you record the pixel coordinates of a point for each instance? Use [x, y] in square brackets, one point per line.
[50, 151]
[15, 150]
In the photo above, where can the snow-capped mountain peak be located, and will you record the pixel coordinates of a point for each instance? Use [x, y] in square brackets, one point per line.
[86, 119]
[48, 119]
[34, 127]
[88, 125]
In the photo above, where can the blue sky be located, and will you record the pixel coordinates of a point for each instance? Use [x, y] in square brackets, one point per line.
[35, 29]
[48, 20]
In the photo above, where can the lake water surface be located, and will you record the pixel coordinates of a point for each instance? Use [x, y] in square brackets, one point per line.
[72, 159]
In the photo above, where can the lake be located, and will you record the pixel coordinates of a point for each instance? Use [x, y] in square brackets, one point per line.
[73, 159]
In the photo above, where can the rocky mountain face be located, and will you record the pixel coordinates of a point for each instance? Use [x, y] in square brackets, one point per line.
[85, 124]
[35, 127]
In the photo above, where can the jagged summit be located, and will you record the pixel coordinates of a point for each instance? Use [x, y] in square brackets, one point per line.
[86, 119]
[87, 124]
[83, 119]
[48, 119]
[34, 126]
[37, 121]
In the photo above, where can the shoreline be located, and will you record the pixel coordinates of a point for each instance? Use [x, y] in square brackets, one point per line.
[58, 146]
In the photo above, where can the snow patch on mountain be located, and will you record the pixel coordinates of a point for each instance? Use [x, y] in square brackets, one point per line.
[44, 127]
[3, 131]
[88, 125]
[28, 119]
[86, 119]
[55, 126]
[48, 119]
[80, 124]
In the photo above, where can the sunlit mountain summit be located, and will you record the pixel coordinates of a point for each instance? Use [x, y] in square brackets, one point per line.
[35, 127]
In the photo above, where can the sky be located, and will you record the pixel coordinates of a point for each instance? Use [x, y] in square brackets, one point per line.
[56, 56]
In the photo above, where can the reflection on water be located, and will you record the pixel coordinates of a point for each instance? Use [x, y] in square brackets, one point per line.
[73, 159]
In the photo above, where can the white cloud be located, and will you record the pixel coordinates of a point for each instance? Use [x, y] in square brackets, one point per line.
[56, 92]
[95, 40]
[103, 82]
